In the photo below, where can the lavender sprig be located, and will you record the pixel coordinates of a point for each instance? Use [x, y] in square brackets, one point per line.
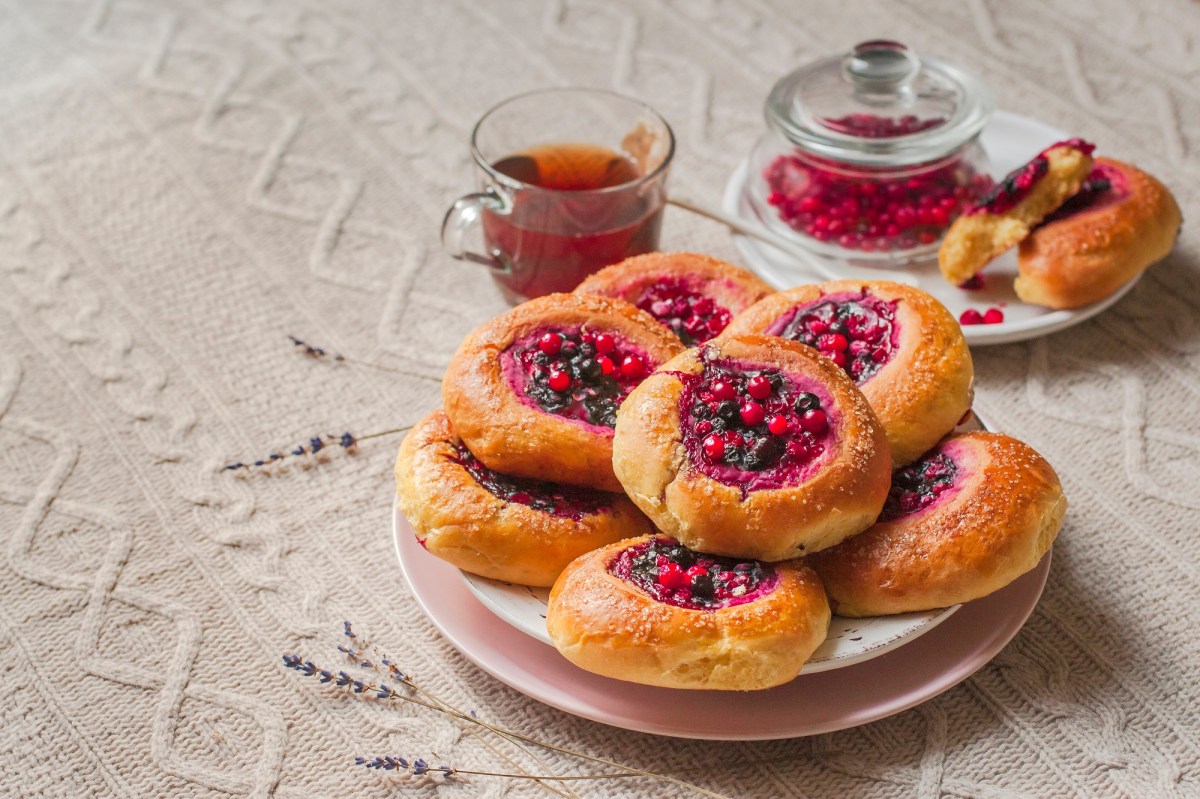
[418, 767]
[347, 441]
[425, 699]
[324, 355]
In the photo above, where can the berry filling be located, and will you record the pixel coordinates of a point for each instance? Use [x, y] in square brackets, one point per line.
[675, 575]
[566, 501]
[753, 428]
[870, 126]
[1104, 186]
[575, 373]
[1017, 184]
[858, 332]
[872, 209]
[694, 317]
[919, 485]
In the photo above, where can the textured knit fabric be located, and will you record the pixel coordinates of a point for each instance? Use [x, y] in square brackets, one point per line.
[184, 183]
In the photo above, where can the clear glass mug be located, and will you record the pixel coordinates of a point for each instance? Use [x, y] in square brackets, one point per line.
[571, 180]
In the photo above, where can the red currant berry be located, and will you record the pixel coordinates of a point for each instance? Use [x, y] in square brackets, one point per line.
[722, 390]
[752, 413]
[673, 577]
[605, 343]
[550, 343]
[759, 387]
[607, 367]
[714, 447]
[777, 424]
[559, 380]
[814, 421]
[632, 366]
[970, 317]
[993, 316]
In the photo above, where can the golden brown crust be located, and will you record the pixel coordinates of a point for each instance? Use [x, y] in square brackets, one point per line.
[609, 626]
[1001, 519]
[460, 521]
[975, 240]
[730, 286]
[929, 383]
[843, 497]
[516, 438]
[1087, 256]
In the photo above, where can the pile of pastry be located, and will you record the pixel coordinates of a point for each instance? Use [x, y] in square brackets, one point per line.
[705, 469]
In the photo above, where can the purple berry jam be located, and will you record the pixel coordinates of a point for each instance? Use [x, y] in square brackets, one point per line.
[578, 374]
[1017, 184]
[693, 316]
[858, 332]
[557, 500]
[752, 427]
[919, 485]
[872, 209]
[1104, 186]
[674, 574]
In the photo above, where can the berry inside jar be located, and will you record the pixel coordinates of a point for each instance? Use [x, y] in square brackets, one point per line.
[858, 332]
[753, 427]
[693, 316]
[919, 485]
[870, 209]
[557, 500]
[579, 374]
[675, 575]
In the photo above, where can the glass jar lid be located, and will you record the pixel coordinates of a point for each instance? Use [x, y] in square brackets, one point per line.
[880, 104]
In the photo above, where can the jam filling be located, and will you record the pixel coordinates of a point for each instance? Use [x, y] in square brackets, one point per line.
[675, 575]
[1103, 186]
[576, 373]
[753, 428]
[918, 485]
[871, 126]
[872, 209]
[1017, 184]
[694, 317]
[557, 500]
[858, 332]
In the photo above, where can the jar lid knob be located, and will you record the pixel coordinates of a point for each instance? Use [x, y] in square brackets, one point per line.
[880, 66]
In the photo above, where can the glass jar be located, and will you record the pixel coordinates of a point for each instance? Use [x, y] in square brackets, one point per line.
[871, 155]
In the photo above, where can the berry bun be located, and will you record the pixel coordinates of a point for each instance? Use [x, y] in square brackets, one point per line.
[651, 611]
[900, 346]
[694, 295]
[752, 447]
[535, 391]
[968, 518]
[1119, 223]
[507, 528]
[1007, 213]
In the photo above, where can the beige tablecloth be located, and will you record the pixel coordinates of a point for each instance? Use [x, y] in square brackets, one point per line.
[185, 183]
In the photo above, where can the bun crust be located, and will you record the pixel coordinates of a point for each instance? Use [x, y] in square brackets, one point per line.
[730, 286]
[928, 383]
[840, 498]
[460, 521]
[975, 239]
[1002, 517]
[1087, 256]
[610, 626]
[518, 438]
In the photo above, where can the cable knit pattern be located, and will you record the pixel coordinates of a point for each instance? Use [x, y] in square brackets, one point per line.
[184, 182]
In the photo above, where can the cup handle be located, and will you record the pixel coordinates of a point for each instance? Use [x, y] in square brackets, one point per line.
[462, 216]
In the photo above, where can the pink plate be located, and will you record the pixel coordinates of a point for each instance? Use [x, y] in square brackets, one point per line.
[810, 704]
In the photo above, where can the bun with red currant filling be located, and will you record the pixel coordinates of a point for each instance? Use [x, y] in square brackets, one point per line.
[968, 518]
[899, 345]
[495, 525]
[694, 295]
[753, 447]
[1119, 223]
[1007, 213]
[651, 611]
[534, 392]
